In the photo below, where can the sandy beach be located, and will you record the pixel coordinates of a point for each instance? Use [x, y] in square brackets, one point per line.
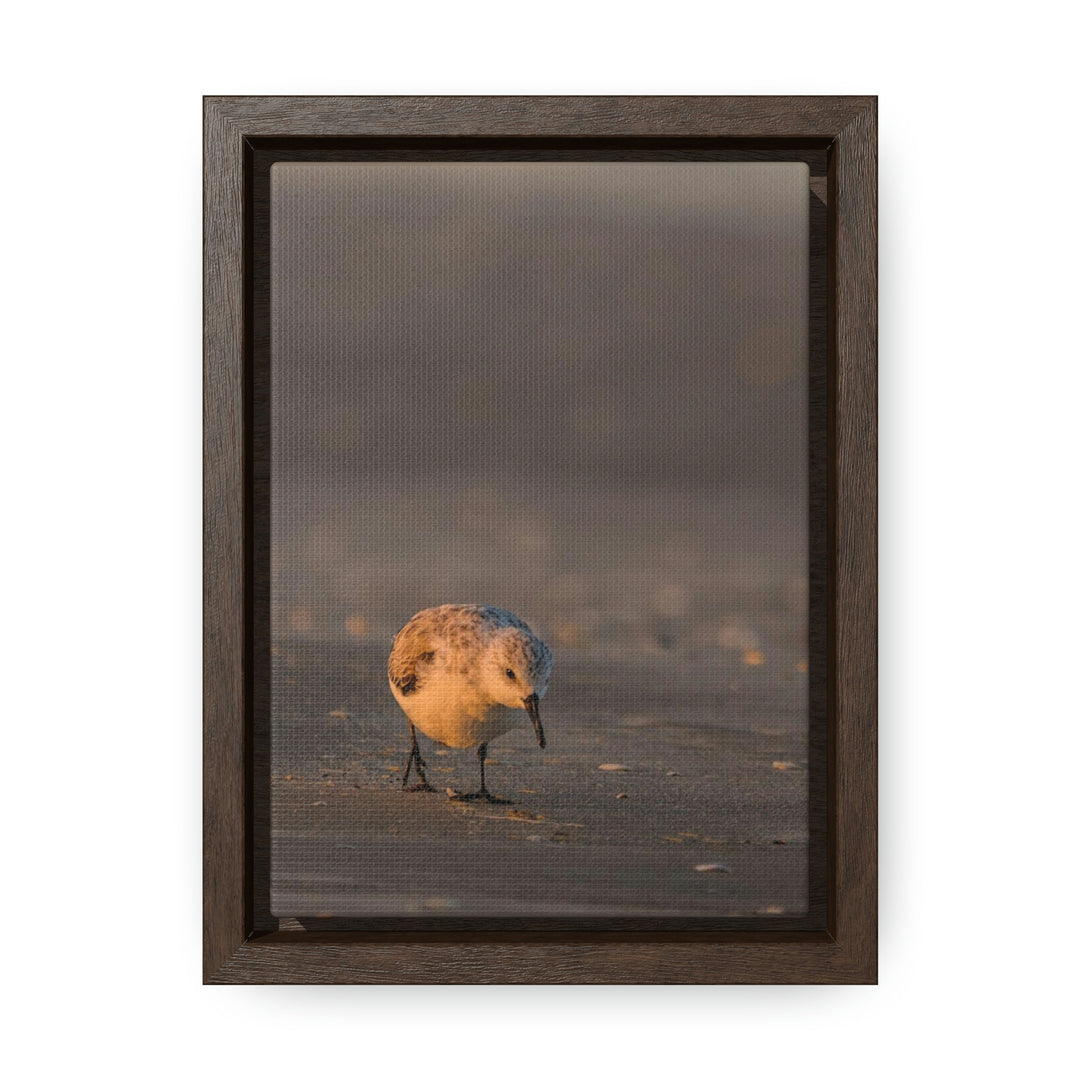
[712, 773]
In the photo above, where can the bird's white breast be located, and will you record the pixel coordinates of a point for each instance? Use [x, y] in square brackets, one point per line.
[451, 708]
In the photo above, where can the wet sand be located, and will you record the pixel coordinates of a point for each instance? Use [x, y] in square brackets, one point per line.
[714, 775]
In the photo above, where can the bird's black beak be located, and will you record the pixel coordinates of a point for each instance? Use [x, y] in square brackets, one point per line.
[532, 707]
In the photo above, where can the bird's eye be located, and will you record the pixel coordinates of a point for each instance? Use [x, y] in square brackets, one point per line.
[510, 674]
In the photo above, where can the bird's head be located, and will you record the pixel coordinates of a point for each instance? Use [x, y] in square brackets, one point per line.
[517, 671]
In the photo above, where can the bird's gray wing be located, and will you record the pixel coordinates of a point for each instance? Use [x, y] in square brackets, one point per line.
[412, 652]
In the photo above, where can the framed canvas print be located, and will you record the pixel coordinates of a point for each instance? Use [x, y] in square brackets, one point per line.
[540, 595]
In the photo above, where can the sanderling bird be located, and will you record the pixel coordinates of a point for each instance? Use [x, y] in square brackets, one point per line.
[462, 674]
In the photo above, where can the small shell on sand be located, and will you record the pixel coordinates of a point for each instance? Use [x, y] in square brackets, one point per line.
[712, 868]
[614, 768]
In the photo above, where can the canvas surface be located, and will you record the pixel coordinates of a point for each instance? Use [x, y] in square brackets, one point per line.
[577, 392]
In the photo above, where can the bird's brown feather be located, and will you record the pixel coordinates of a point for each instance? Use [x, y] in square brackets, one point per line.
[411, 653]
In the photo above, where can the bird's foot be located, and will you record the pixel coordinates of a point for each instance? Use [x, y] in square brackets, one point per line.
[423, 785]
[480, 796]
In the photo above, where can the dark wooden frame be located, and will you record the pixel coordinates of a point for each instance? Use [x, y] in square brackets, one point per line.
[844, 950]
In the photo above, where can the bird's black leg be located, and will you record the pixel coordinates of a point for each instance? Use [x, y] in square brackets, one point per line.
[483, 794]
[414, 755]
[481, 753]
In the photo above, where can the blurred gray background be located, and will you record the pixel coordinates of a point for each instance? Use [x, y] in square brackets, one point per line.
[574, 390]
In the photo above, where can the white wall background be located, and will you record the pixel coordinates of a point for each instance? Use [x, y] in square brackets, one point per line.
[101, 599]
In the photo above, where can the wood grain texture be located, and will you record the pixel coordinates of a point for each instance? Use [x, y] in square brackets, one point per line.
[557, 962]
[574, 117]
[854, 454]
[237, 947]
[223, 539]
